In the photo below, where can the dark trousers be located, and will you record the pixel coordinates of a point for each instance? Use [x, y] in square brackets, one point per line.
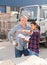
[19, 53]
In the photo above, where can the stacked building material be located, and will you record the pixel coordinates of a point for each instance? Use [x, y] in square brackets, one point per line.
[28, 60]
[33, 60]
[7, 62]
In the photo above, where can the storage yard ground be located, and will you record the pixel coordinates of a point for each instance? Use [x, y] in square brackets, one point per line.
[7, 51]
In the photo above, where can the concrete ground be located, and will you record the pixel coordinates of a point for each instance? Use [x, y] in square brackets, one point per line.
[7, 51]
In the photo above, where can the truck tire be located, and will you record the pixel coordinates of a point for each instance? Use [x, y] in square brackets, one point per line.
[46, 43]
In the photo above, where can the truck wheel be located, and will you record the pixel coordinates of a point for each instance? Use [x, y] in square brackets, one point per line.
[46, 43]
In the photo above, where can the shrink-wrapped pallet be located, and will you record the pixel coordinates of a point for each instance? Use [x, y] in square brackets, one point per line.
[7, 62]
[34, 60]
[27, 60]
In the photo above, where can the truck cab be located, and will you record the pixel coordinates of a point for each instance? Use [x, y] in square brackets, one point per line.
[38, 13]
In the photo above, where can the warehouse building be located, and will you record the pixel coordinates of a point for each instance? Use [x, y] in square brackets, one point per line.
[12, 5]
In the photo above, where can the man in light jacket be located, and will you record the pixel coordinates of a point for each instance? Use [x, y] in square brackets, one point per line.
[21, 46]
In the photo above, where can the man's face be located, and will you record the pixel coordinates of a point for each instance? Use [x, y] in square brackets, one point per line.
[23, 20]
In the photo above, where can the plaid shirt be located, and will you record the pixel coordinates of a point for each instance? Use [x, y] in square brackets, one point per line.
[34, 41]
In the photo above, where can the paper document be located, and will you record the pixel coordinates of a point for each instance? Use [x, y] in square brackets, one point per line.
[25, 37]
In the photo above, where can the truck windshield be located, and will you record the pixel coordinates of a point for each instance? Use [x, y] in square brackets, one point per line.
[33, 12]
[43, 12]
[30, 12]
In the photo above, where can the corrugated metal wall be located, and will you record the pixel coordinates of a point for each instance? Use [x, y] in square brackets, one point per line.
[2, 9]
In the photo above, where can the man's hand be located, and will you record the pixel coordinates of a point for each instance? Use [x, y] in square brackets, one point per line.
[24, 39]
[20, 31]
[15, 44]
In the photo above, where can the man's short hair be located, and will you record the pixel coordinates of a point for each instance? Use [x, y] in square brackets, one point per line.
[24, 17]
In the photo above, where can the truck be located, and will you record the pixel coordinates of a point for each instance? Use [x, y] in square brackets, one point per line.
[38, 13]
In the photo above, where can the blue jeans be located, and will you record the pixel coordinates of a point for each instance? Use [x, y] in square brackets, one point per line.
[33, 53]
[19, 53]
